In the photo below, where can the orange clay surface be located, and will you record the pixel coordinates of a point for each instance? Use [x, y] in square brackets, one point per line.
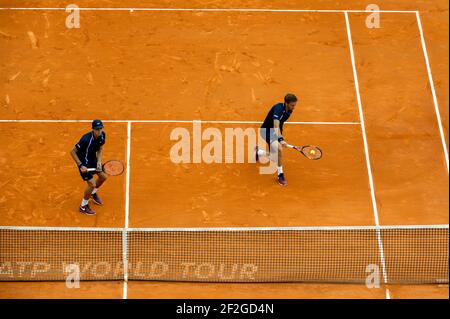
[223, 66]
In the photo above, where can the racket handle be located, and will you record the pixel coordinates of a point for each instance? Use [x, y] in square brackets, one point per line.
[290, 146]
[91, 169]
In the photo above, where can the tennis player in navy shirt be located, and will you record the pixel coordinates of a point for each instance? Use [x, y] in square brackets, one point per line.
[87, 153]
[272, 132]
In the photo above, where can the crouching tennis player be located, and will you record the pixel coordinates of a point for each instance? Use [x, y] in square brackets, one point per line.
[272, 132]
[87, 153]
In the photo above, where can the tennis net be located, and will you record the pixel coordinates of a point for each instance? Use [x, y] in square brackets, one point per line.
[396, 254]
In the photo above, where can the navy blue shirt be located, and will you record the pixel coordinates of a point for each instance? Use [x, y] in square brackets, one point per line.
[277, 112]
[87, 148]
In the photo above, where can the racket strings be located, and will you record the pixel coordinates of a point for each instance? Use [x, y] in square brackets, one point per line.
[312, 152]
[113, 168]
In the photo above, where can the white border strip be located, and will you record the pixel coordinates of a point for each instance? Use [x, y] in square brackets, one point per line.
[225, 229]
[433, 92]
[174, 121]
[212, 10]
[293, 228]
[55, 228]
[127, 213]
[125, 288]
[366, 148]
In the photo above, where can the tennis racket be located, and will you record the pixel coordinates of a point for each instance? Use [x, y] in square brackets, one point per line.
[112, 168]
[309, 151]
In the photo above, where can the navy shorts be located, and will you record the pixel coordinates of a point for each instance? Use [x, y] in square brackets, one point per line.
[268, 134]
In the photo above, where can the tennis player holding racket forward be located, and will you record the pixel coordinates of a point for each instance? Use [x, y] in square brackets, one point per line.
[272, 132]
[87, 153]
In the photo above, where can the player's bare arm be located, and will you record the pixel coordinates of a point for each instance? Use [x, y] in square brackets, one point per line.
[74, 155]
[99, 159]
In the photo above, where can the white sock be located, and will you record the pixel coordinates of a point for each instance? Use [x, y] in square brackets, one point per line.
[84, 202]
[261, 153]
[280, 170]
[94, 191]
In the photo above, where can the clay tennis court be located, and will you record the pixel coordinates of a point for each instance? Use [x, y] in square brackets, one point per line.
[375, 100]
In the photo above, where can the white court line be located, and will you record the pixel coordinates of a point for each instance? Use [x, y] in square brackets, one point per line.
[225, 229]
[175, 121]
[289, 228]
[366, 149]
[127, 213]
[212, 10]
[125, 290]
[433, 92]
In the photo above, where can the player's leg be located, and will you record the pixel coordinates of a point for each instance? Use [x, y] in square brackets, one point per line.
[277, 155]
[258, 151]
[90, 185]
[102, 177]
[276, 151]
